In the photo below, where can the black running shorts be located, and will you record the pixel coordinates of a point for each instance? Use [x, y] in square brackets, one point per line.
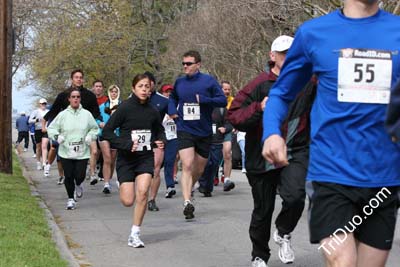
[201, 144]
[130, 165]
[39, 135]
[368, 213]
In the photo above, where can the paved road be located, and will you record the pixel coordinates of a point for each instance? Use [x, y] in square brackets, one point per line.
[99, 227]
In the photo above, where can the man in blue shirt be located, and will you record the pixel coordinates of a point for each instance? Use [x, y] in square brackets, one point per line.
[353, 175]
[22, 126]
[191, 103]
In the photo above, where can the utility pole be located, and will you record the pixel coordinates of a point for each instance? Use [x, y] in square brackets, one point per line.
[5, 86]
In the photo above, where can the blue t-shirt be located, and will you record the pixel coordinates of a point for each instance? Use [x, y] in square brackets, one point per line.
[160, 102]
[105, 116]
[184, 96]
[349, 144]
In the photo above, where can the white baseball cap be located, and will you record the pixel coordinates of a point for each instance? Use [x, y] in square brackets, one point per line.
[42, 101]
[22, 113]
[282, 43]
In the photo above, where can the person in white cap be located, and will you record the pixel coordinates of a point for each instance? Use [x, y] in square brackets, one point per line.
[245, 114]
[36, 118]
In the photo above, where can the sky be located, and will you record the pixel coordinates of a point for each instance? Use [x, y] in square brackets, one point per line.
[22, 98]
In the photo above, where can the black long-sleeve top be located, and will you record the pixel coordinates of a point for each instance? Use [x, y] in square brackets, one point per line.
[133, 115]
[88, 101]
[219, 118]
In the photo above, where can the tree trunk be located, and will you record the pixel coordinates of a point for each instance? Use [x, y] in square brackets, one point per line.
[5, 86]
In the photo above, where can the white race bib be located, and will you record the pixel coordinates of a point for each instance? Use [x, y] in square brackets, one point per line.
[75, 149]
[170, 130]
[364, 76]
[214, 128]
[191, 111]
[143, 137]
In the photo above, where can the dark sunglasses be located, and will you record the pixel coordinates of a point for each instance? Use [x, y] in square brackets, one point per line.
[43, 103]
[188, 63]
[75, 96]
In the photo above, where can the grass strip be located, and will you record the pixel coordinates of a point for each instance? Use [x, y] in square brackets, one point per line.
[25, 237]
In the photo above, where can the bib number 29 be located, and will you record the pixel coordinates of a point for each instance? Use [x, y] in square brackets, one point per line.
[141, 139]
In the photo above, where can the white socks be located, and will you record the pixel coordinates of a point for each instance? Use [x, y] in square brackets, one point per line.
[135, 229]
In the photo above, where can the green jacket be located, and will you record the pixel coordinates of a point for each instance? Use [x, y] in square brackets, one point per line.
[75, 129]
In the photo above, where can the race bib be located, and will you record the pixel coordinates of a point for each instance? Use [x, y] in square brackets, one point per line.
[75, 149]
[364, 76]
[170, 130]
[143, 137]
[191, 111]
[214, 128]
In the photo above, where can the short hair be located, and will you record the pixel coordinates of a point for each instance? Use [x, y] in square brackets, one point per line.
[98, 81]
[193, 53]
[75, 71]
[222, 82]
[73, 89]
[138, 78]
[150, 76]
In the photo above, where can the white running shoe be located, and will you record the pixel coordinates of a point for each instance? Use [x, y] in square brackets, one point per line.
[107, 188]
[61, 180]
[25, 149]
[258, 262]
[71, 205]
[38, 166]
[134, 241]
[93, 179]
[46, 171]
[79, 190]
[286, 253]
[34, 156]
[244, 170]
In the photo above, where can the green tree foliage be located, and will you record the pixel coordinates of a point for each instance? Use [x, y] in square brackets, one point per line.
[113, 40]
[109, 40]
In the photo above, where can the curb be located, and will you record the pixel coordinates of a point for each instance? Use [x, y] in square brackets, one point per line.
[56, 233]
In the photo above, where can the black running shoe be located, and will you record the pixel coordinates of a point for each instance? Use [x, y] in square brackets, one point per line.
[188, 210]
[151, 205]
[228, 186]
[107, 189]
[170, 192]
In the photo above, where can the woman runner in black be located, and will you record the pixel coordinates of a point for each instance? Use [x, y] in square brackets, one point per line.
[140, 130]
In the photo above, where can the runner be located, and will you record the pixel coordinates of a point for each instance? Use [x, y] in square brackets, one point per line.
[196, 94]
[22, 126]
[352, 158]
[88, 102]
[109, 154]
[171, 147]
[74, 139]
[159, 102]
[32, 135]
[53, 155]
[246, 115]
[36, 118]
[220, 127]
[227, 144]
[140, 130]
[98, 90]
[241, 137]
[45, 149]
